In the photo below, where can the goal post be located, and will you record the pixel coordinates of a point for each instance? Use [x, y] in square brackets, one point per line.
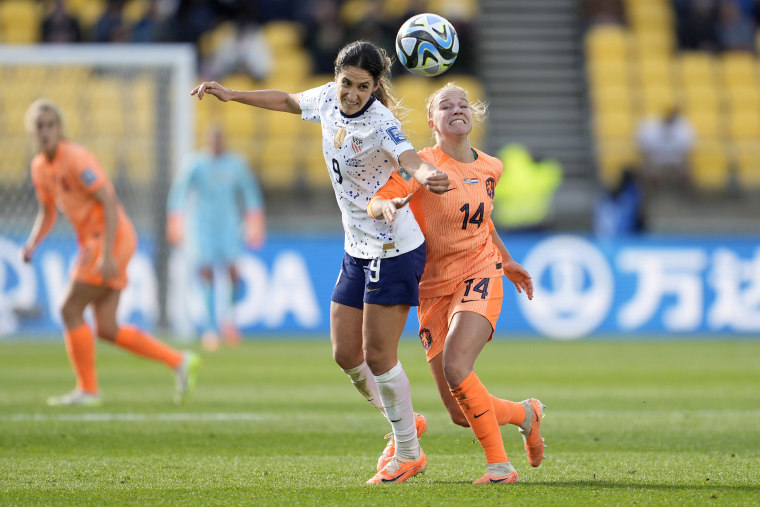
[128, 104]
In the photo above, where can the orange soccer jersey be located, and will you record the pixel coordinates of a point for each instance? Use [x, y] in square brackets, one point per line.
[457, 224]
[68, 181]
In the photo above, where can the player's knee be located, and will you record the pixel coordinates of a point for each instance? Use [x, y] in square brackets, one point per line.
[70, 312]
[106, 332]
[454, 373]
[458, 418]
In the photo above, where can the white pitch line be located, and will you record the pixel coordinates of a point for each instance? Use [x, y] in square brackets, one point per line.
[130, 417]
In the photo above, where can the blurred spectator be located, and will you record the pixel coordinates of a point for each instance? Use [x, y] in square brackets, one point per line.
[245, 51]
[696, 25]
[148, 27]
[600, 12]
[111, 26]
[665, 144]
[187, 20]
[736, 31]
[618, 211]
[523, 197]
[60, 26]
[325, 35]
[373, 26]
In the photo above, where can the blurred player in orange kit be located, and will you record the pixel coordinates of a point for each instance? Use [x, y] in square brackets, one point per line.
[69, 177]
[461, 289]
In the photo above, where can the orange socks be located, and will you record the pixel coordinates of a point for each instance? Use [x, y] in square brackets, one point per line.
[142, 344]
[475, 402]
[508, 412]
[80, 346]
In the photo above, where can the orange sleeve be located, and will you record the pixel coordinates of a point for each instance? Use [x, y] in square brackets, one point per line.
[491, 226]
[396, 186]
[88, 172]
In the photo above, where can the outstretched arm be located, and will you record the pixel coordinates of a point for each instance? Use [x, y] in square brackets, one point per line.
[274, 100]
[426, 173]
[43, 222]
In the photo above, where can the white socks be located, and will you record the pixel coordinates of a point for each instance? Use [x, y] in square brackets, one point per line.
[396, 397]
[364, 382]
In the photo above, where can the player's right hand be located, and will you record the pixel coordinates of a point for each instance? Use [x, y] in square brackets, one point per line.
[213, 88]
[437, 182]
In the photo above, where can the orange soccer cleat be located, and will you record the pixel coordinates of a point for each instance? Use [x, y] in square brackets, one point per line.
[531, 430]
[399, 471]
[390, 449]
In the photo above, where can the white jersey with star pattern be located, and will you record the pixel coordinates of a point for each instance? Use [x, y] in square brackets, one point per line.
[361, 151]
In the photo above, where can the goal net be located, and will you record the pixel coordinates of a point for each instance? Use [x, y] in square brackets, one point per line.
[129, 105]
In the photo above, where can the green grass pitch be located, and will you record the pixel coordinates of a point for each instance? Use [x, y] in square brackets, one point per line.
[275, 422]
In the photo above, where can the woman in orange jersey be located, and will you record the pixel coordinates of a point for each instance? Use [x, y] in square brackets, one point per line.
[461, 289]
[69, 177]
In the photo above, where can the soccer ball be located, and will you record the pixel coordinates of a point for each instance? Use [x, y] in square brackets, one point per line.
[427, 44]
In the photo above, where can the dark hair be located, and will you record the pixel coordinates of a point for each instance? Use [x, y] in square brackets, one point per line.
[375, 60]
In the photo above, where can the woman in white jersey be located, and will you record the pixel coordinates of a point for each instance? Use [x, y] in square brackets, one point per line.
[363, 145]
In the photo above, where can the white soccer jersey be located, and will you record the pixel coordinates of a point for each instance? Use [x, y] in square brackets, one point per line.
[361, 151]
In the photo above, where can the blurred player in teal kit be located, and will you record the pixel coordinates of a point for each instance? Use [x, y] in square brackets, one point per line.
[219, 195]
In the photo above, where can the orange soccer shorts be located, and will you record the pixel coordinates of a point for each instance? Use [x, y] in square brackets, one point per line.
[91, 248]
[480, 295]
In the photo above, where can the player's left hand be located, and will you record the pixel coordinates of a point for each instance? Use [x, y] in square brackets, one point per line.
[390, 206]
[520, 277]
[255, 230]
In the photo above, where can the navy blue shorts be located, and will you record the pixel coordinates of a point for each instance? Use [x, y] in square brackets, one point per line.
[389, 281]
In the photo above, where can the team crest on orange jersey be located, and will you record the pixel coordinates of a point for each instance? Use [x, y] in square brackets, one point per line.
[426, 338]
[491, 187]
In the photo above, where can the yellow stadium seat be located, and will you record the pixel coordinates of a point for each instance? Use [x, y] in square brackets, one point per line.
[744, 126]
[140, 160]
[657, 100]
[707, 125]
[613, 157]
[315, 168]
[279, 162]
[701, 98]
[19, 21]
[608, 73]
[240, 119]
[748, 165]
[743, 99]
[283, 35]
[738, 68]
[653, 44]
[613, 126]
[88, 11]
[293, 65]
[655, 71]
[606, 42]
[709, 166]
[209, 41]
[611, 99]
[696, 67]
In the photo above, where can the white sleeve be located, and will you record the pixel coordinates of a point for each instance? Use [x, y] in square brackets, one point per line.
[393, 139]
[311, 101]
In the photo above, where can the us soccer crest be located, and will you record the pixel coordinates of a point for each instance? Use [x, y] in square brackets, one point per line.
[356, 145]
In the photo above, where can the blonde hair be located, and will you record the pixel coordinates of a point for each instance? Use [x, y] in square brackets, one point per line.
[478, 108]
[34, 111]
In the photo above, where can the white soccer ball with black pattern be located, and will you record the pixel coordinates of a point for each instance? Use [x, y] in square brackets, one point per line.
[427, 44]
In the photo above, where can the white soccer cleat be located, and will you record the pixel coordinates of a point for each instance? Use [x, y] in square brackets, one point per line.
[77, 397]
[186, 376]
